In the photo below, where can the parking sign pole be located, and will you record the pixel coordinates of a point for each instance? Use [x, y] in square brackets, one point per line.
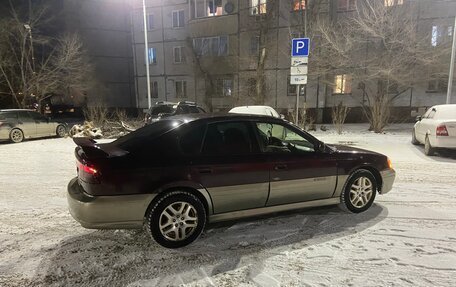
[297, 104]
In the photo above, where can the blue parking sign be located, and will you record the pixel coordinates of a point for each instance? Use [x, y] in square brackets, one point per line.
[300, 47]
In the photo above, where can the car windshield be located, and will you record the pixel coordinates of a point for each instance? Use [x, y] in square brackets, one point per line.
[146, 134]
[155, 111]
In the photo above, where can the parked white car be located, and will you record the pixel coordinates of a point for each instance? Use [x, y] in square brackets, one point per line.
[436, 129]
[256, 110]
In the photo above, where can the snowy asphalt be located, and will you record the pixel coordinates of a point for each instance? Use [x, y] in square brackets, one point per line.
[408, 238]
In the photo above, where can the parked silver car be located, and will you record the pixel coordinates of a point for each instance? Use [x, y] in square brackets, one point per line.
[18, 124]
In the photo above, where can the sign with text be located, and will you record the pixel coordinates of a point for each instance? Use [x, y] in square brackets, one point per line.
[300, 47]
[298, 80]
[299, 61]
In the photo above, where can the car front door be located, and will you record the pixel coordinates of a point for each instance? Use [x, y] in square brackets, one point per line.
[298, 172]
[229, 167]
[424, 125]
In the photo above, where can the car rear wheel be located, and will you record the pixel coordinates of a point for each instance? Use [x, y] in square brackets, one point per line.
[428, 149]
[16, 136]
[414, 140]
[176, 219]
[60, 131]
[359, 191]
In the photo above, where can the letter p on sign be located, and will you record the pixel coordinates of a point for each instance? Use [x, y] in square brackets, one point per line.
[300, 47]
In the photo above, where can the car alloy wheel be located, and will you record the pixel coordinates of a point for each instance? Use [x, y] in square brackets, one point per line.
[16, 136]
[178, 221]
[61, 131]
[359, 191]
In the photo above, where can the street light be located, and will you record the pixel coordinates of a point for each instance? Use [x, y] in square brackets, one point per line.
[146, 53]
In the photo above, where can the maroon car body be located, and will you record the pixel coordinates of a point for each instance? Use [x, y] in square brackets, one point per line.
[219, 167]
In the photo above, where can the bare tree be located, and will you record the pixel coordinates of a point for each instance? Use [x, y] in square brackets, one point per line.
[38, 65]
[339, 114]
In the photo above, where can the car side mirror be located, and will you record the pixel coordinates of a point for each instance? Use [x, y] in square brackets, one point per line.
[320, 147]
[418, 118]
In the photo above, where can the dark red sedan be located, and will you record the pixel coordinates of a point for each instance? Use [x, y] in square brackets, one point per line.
[181, 172]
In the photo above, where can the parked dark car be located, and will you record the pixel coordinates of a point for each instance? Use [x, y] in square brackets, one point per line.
[167, 109]
[176, 174]
[19, 124]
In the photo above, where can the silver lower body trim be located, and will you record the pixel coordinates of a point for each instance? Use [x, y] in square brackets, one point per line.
[388, 176]
[272, 209]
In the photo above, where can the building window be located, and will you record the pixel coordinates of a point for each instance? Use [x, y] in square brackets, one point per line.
[178, 19]
[436, 85]
[224, 87]
[181, 89]
[299, 5]
[153, 89]
[441, 35]
[150, 22]
[389, 3]
[211, 46]
[342, 84]
[254, 45]
[291, 90]
[206, 8]
[346, 5]
[257, 7]
[152, 55]
[179, 55]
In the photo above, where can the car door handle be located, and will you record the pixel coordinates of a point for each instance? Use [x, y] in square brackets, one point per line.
[280, 167]
[205, 170]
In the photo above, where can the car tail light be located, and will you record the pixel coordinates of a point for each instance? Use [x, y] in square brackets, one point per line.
[87, 172]
[441, 131]
[390, 164]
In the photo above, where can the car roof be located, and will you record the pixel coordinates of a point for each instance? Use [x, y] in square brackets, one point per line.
[16, 110]
[222, 117]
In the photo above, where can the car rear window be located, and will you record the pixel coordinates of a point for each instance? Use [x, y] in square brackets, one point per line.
[7, 115]
[146, 134]
[155, 111]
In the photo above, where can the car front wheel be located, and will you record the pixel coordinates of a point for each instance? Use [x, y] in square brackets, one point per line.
[359, 191]
[176, 219]
[61, 131]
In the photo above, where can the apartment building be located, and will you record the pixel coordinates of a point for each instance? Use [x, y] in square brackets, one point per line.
[207, 51]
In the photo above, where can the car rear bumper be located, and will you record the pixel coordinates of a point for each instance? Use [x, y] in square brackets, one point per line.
[444, 142]
[388, 176]
[4, 133]
[107, 212]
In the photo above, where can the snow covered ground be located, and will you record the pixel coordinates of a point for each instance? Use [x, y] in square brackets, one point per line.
[408, 238]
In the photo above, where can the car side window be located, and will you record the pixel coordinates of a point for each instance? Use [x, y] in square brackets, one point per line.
[25, 117]
[191, 140]
[38, 117]
[277, 138]
[8, 116]
[227, 138]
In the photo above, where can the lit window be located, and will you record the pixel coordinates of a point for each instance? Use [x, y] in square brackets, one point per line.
[181, 89]
[206, 8]
[179, 54]
[257, 7]
[342, 84]
[441, 35]
[346, 5]
[211, 46]
[299, 5]
[224, 87]
[178, 18]
[389, 3]
[152, 55]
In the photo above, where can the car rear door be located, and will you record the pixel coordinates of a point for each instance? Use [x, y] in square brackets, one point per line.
[298, 172]
[26, 124]
[229, 166]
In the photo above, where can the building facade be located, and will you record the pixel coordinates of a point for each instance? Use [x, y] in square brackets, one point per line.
[208, 51]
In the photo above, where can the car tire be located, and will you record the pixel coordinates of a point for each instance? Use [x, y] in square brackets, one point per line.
[428, 149]
[176, 219]
[414, 140]
[359, 191]
[16, 136]
[60, 131]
